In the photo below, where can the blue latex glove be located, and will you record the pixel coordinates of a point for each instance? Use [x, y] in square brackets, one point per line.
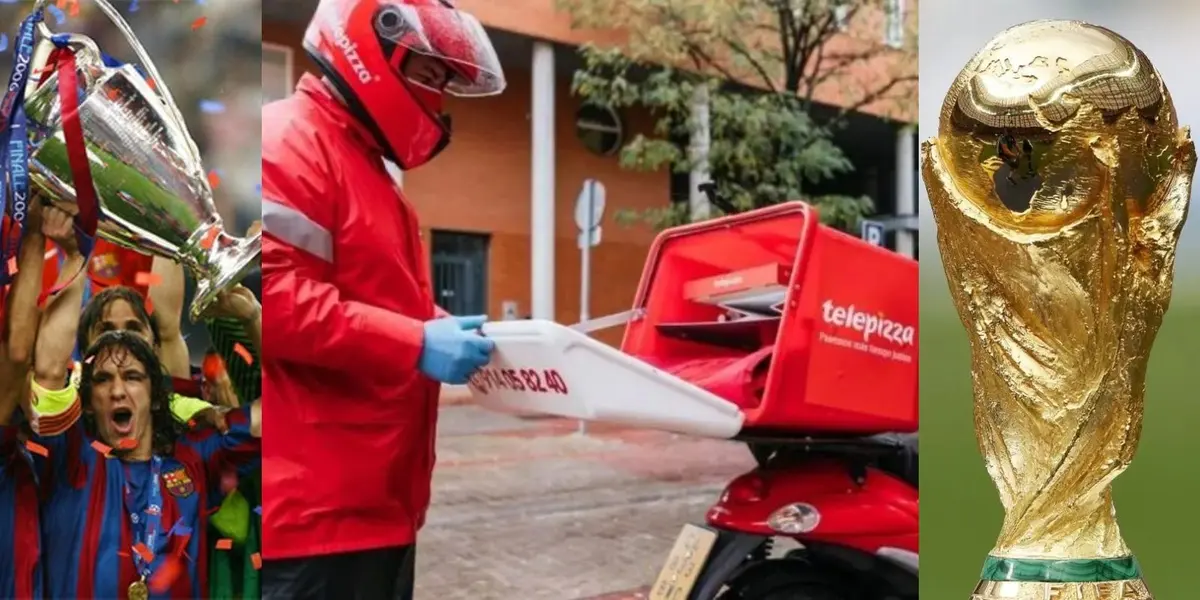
[453, 349]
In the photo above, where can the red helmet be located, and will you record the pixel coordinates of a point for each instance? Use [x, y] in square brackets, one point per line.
[363, 46]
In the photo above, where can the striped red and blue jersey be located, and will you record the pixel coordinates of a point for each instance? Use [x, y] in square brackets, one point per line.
[20, 551]
[86, 533]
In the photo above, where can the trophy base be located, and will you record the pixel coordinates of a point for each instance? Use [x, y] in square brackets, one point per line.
[233, 259]
[1127, 589]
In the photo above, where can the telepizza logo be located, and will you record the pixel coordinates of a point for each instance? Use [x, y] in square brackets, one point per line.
[868, 324]
[351, 50]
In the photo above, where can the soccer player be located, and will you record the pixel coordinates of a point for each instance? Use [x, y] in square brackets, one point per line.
[20, 551]
[128, 490]
[358, 349]
[65, 328]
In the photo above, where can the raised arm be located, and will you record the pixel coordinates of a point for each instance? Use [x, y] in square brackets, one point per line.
[56, 338]
[22, 316]
[166, 296]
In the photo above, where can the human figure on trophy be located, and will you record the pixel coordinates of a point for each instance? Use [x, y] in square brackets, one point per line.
[359, 348]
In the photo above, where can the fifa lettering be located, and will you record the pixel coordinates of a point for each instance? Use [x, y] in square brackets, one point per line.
[868, 324]
[351, 50]
[537, 381]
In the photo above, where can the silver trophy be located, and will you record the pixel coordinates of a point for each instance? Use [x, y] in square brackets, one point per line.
[153, 192]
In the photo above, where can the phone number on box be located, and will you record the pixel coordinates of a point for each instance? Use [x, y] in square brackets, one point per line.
[540, 381]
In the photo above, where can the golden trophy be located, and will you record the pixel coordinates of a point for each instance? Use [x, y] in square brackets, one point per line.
[1059, 181]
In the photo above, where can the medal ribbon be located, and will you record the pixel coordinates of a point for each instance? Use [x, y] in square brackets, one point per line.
[63, 60]
[14, 147]
[145, 524]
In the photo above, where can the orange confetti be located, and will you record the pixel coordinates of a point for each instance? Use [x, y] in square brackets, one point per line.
[213, 179]
[166, 575]
[224, 544]
[127, 444]
[101, 448]
[241, 351]
[37, 449]
[150, 82]
[191, 423]
[210, 237]
[144, 552]
[146, 279]
[213, 366]
[74, 11]
[198, 23]
[256, 560]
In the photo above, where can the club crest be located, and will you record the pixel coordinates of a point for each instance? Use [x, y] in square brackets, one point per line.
[178, 483]
[105, 267]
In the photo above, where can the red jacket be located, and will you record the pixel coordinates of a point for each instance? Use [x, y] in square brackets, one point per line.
[349, 457]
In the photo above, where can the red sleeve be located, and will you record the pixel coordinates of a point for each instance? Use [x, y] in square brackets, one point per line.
[307, 321]
[234, 447]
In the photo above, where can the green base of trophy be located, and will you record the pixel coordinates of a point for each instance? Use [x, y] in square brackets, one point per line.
[1081, 579]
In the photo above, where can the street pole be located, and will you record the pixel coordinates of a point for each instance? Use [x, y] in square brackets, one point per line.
[585, 269]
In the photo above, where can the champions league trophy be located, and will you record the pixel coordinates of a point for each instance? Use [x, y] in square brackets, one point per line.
[153, 193]
[1059, 180]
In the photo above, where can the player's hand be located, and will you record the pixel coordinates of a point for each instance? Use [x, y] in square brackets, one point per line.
[212, 417]
[238, 303]
[453, 349]
[219, 391]
[58, 224]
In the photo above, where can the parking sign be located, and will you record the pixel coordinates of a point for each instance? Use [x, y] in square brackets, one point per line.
[872, 232]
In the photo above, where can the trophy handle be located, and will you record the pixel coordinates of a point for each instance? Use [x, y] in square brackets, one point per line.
[114, 16]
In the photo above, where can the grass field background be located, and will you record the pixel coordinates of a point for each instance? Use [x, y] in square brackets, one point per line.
[1155, 498]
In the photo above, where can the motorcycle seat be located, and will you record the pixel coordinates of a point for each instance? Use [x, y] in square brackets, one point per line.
[904, 462]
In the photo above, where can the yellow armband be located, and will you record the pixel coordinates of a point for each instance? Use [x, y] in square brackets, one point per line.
[184, 407]
[55, 411]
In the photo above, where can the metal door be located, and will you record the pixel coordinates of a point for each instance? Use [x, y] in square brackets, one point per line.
[459, 265]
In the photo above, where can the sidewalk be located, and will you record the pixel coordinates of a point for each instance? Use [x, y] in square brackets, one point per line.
[527, 509]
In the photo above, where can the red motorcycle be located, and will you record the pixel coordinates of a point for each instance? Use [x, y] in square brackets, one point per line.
[768, 328]
[848, 506]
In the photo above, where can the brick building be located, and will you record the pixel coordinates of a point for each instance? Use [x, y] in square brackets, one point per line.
[498, 205]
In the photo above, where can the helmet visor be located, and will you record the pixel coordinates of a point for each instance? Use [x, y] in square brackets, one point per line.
[452, 36]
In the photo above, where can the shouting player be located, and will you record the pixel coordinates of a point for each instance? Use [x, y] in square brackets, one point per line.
[65, 329]
[357, 346]
[129, 490]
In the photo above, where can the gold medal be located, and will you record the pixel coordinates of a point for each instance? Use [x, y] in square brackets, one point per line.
[138, 590]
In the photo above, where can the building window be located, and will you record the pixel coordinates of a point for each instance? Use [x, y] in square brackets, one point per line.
[459, 264]
[893, 34]
[599, 129]
[277, 76]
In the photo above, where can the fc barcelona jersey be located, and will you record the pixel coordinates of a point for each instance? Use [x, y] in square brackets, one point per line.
[20, 555]
[86, 531]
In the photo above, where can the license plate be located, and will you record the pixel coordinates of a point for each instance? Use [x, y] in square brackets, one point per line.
[684, 563]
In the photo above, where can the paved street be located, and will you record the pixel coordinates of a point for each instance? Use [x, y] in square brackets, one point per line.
[527, 509]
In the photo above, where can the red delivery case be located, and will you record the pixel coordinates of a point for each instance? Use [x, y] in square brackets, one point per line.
[838, 357]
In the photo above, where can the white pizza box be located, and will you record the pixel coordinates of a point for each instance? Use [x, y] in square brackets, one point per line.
[543, 367]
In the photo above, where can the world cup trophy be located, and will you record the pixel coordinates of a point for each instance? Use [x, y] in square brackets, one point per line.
[152, 191]
[1059, 181]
